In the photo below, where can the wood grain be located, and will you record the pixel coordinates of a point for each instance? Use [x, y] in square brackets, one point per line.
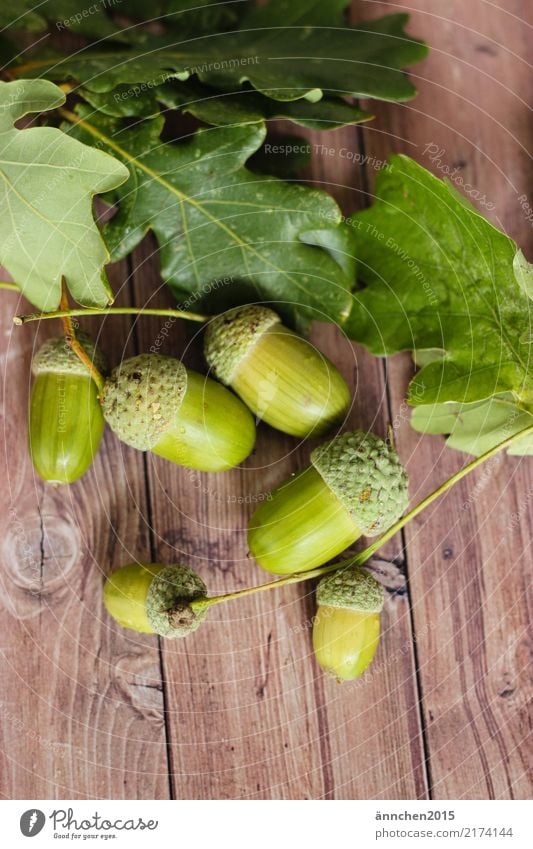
[470, 561]
[249, 716]
[239, 710]
[81, 708]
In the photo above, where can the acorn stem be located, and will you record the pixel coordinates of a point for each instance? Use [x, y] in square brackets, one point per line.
[362, 556]
[80, 311]
[72, 340]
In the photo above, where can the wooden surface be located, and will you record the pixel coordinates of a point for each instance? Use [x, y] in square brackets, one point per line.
[239, 710]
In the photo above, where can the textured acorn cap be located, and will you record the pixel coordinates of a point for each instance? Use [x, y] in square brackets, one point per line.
[366, 475]
[231, 336]
[141, 398]
[57, 357]
[351, 589]
[167, 606]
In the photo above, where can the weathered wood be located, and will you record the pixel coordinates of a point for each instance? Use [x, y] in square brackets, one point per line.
[469, 559]
[85, 711]
[81, 709]
[249, 714]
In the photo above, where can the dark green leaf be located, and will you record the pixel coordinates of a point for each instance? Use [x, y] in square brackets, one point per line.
[250, 107]
[282, 156]
[214, 219]
[446, 284]
[285, 63]
[288, 13]
[21, 15]
[223, 108]
[97, 19]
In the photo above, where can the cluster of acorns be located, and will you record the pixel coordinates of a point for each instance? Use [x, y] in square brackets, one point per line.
[354, 486]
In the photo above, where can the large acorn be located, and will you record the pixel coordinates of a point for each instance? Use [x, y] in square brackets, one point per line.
[155, 404]
[279, 375]
[152, 598]
[346, 627]
[65, 418]
[354, 486]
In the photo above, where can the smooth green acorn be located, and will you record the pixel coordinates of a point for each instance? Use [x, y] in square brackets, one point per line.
[279, 375]
[155, 404]
[152, 598]
[346, 627]
[354, 486]
[66, 422]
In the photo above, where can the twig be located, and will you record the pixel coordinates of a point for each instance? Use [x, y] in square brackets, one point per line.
[64, 313]
[363, 556]
[77, 347]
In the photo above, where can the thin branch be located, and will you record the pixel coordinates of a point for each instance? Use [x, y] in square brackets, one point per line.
[67, 313]
[365, 555]
[77, 347]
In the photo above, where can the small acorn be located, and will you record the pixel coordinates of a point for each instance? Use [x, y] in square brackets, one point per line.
[155, 404]
[354, 486]
[151, 598]
[279, 375]
[346, 627]
[66, 422]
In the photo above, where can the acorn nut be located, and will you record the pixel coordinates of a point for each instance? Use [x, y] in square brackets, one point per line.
[155, 404]
[151, 598]
[279, 375]
[346, 627]
[354, 486]
[66, 422]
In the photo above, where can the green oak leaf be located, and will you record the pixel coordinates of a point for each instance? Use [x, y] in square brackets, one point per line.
[215, 219]
[245, 107]
[47, 182]
[21, 15]
[223, 108]
[284, 63]
[475, 428]
[443, 282]
[282, 156]
[287, 13]
[77, 15]
[188, 17]
[96, 19]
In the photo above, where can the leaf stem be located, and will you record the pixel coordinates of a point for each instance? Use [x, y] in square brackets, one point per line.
[76, 346]
[63, 313]
[362, 556]
[11, 286]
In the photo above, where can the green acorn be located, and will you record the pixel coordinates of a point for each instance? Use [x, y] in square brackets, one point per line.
[346, 627]
[354, 486]
[151, 598]
[155, 404]
[65, 418]
[279, 375]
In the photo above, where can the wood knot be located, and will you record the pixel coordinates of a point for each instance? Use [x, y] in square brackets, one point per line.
[39, 550]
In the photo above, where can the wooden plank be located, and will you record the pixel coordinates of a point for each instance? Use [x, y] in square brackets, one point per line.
[249, 713]
[469, 558]
[374, 752]
[81, 709]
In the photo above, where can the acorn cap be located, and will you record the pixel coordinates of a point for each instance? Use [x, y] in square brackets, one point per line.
[167, 606]
[141, 398]
[56, 356]
[351, 589]
[366, 475]
[231, 336]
